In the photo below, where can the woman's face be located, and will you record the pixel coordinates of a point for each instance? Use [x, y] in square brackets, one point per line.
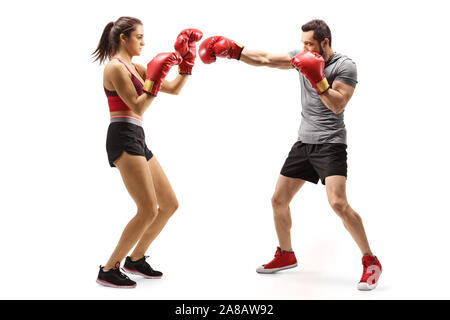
[135, 42]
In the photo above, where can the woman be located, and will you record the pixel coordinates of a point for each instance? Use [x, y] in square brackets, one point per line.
[128, 98]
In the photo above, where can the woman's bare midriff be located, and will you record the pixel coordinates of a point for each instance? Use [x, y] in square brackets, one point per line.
[125, 113]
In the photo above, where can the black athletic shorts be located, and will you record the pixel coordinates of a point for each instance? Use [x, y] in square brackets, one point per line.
[313, 161]
[126, 134]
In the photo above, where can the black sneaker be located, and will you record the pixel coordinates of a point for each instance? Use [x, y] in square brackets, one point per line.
[142, 268]
[114, 278]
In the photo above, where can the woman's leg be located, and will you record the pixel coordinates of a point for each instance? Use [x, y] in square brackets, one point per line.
[138, 180]
[167, 203]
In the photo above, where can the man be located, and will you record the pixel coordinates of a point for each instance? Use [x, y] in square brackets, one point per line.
[327, 80]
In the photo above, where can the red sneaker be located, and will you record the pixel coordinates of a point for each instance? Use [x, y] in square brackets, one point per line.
[371, 273]
[283, 260]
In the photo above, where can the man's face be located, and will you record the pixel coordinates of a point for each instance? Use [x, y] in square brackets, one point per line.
[311, 44]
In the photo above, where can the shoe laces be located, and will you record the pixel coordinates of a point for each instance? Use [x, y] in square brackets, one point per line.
[145, 264]
[277, 255]
[117, 269]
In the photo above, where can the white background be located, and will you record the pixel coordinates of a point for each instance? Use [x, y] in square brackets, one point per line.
[222, 143]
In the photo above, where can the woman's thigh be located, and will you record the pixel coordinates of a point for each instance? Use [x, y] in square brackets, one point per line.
[164, 192]
[138, 179]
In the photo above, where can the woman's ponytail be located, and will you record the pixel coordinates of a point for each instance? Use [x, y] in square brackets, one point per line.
[110, 41]
[104, 48]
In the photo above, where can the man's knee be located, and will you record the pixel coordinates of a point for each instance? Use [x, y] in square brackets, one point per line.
[340, 206]
[279, 202]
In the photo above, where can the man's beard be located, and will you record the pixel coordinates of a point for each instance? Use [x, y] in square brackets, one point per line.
[321, 50]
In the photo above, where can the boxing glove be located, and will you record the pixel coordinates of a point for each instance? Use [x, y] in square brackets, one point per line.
[186, 46]
[219, 47]
[311, 65]
[157, 69]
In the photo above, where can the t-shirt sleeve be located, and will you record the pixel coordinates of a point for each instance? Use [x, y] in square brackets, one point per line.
[293, 53]
[347, 73]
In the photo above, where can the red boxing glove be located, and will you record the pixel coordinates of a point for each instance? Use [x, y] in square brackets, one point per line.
[219, 47]
[157, 69]
[311, 65]
[186, 46]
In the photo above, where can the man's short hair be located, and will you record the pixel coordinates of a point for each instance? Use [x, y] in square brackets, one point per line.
[320, 28]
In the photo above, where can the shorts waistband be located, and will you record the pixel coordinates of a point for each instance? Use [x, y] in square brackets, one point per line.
[126, 119]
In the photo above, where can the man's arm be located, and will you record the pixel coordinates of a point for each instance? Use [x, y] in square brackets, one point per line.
[311, 65]
[337, 97]
[260, 58]
[222, 47]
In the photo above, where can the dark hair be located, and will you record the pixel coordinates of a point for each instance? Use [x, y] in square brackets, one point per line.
[320, 28]
[110, 40]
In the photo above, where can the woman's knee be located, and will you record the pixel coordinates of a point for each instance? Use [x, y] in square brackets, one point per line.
[147, 214]
[169, 207]
[172, 206]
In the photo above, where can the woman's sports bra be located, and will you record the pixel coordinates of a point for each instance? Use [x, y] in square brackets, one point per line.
[114, 101]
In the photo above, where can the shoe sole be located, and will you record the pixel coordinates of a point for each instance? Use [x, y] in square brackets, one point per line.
[363, 286]
[273, 270]
[111, 285]
[137, 273]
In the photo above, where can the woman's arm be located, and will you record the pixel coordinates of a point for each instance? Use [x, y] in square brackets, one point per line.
[175, 86]
[117, 75]
[170, 87]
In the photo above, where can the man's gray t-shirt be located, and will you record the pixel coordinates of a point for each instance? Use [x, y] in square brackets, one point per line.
[319, 124]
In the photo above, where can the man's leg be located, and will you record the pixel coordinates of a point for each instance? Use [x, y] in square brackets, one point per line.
[335, 186]
[285, 190]
[337, 198]
[284, 257]
[296, 170]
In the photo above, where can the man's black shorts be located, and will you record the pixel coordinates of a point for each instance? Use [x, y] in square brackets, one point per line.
[313, 161]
